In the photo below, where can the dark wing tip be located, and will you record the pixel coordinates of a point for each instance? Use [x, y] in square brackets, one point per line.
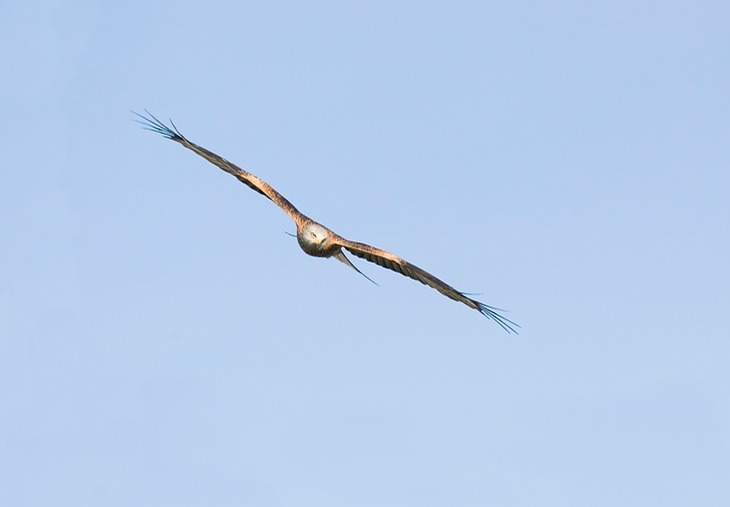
[153, 124]
[493, 313]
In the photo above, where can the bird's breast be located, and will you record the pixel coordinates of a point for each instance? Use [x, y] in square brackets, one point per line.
[314, 248]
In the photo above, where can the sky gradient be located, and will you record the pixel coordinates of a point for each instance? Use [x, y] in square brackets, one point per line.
[163, 342]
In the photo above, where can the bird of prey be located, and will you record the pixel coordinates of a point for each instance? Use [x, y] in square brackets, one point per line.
[316, 239]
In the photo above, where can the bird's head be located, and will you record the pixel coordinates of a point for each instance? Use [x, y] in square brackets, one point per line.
[314, 238]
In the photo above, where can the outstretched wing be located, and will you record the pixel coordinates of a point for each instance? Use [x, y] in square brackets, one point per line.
[395, 263]
[152, 124]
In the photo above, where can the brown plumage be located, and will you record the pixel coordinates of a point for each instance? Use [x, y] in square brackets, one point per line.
[319, 241]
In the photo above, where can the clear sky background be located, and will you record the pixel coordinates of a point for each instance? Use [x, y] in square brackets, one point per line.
[163, 342]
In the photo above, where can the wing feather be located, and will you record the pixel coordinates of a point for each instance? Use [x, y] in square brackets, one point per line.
[152, 124]
[399, 265]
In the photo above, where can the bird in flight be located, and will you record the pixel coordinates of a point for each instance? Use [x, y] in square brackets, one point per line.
[319, 241]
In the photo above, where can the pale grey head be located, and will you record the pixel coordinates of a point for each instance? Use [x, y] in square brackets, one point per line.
[315, 239]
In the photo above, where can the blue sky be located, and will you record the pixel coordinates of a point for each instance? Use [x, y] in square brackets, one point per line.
[163, 342]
